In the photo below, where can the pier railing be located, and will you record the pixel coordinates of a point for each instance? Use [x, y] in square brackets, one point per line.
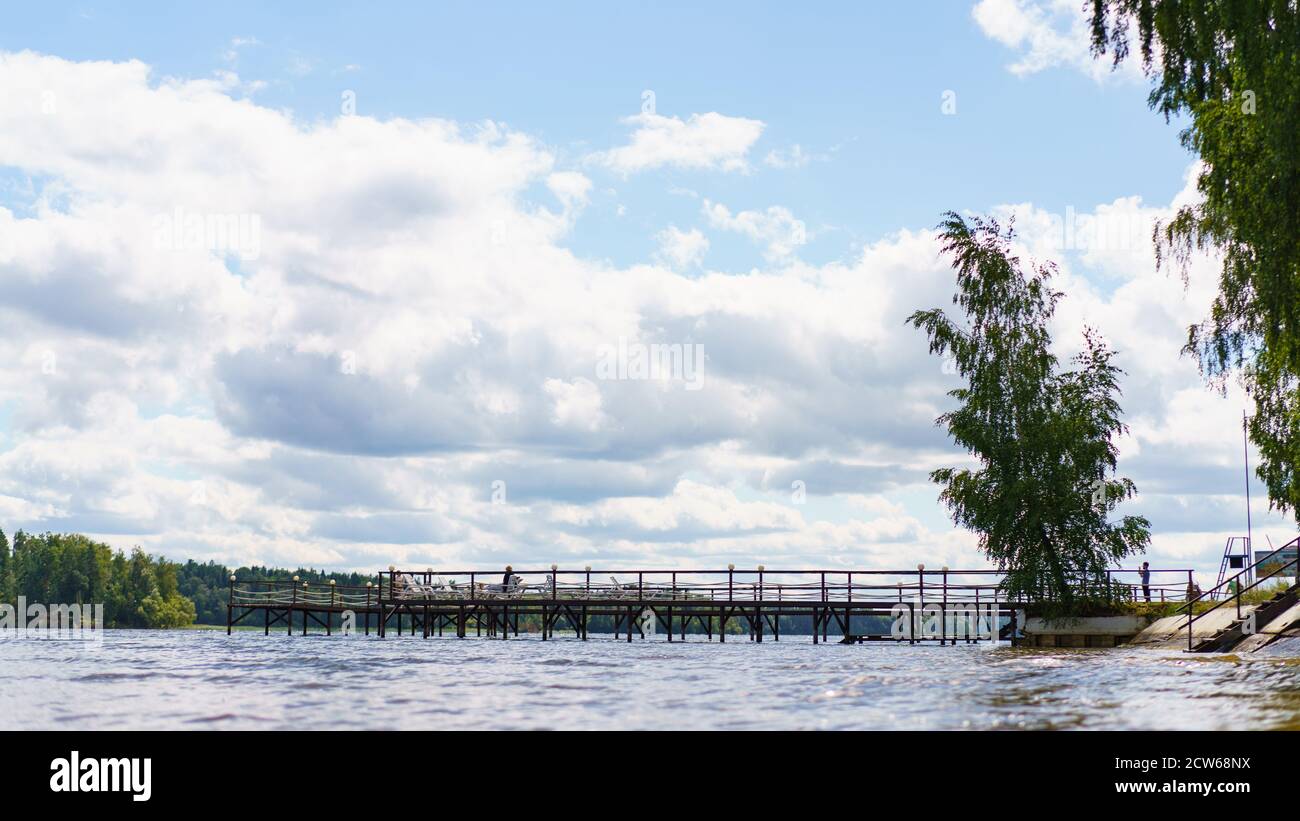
[758, 584]
[494, 602]
[1165, 585]
[295, 593]
[678, 586]
[690, 585]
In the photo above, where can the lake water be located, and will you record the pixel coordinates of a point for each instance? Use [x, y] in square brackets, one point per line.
[205, 679]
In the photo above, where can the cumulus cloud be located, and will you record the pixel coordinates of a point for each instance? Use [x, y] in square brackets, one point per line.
[682, 249]
[1047, 34]
[572, 189]
[709, 141]
[776, 228]
[404, 367]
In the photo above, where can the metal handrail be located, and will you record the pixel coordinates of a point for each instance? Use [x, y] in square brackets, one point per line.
[762, 582]
[1192, 616]
[828, 586]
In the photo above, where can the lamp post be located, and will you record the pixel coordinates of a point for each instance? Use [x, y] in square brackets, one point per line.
[920, 576]
[230, 604]
[943, 619]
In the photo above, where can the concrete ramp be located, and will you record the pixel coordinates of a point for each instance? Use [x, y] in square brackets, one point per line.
[1171, 631]
[1223, 630]
[1286, 624]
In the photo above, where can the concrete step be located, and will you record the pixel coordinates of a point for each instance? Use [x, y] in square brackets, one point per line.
[1246, 631]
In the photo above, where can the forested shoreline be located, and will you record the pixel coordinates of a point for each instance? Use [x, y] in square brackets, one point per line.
[136, 589]
[143, 591]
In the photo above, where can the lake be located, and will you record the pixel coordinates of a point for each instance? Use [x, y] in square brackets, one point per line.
[191, 679]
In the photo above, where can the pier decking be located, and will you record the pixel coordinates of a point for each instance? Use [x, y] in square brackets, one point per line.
[936, 606]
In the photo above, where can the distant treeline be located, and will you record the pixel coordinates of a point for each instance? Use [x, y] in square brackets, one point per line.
[137, 590]
[52, 568]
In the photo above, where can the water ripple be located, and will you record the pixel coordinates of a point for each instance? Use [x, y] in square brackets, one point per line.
[200, 679]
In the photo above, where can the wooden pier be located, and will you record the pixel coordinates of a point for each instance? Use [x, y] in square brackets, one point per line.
[919, 606]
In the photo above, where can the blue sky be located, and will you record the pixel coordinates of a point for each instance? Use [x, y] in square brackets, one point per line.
[857, 83]
[499, 207]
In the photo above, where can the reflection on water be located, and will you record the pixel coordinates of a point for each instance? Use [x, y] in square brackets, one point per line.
[200, 679]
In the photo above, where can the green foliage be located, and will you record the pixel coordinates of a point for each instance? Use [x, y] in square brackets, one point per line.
[6, 570]
[1044, 438]
[136, 591]
[1234, 67]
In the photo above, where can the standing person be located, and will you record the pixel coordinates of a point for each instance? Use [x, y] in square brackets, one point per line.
[1145, 574]
[505, 582]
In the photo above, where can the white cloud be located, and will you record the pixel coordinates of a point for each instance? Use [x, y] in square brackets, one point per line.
[793, 157]
[710, 141]
[698, 508]
[577, 403]
[682, 249]
[238, 44]
[571, 188]
[776, 228]
[414, 329]
[1047, 34]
